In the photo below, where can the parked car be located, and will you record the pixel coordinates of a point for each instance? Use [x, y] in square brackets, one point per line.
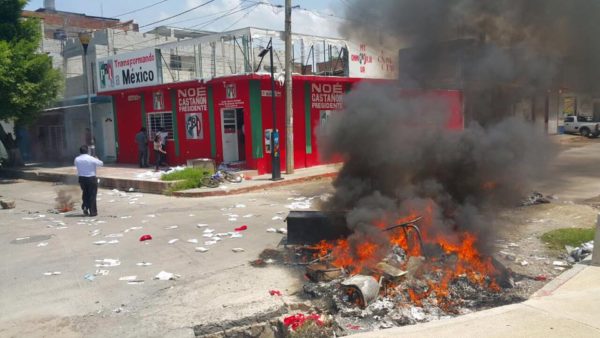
[581, 125]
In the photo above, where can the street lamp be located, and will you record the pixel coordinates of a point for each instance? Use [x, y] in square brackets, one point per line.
[275, 164]
[84, 38]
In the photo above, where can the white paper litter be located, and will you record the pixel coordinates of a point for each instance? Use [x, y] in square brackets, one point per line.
[207, 235]
[201, 249]
[125, 217]
[275, 218]
[271, 230]
[236, 235]
[107, 262]
[172, 227]
[173, 240]
[282, 231]
[101, 272]
[151, 215]
[52, 273]
[560, 263]
[208, 231]
[299, 205]
[117, 235]
[100, 242]
[192, 240]
[22, 238]
[163, 275]
[42, 244]
[237, 250]
[210, 242]
[232, 219]
[128, 278]
[201, 225]
[143, 264]
[248, 216]
[240, 205]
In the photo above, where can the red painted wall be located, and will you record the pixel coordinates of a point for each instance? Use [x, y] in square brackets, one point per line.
[192, 99]
[129, 115]
[129, 122]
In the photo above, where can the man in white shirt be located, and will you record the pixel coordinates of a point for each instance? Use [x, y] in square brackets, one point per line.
[86, 170]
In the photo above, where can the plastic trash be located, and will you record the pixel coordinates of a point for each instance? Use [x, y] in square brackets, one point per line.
[145, 238]
[210, 242]
[282, 231]
[143, 264]
[271, 230]
[192, 240]
[201, 225]
[207, 235]
[101, 272]
[163, 275]
[248, 216]
[201, 249]
[236, 235]
[172, 227]
[240, 205]
[275, 292]
[208, 231]
[242, 228]
[236, 250]
[42, 244]
[275, 218]
[173, 240]
[89, 276]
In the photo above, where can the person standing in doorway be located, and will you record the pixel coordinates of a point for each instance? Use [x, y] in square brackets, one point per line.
[141, 138]
[158, 151]
[86, 170]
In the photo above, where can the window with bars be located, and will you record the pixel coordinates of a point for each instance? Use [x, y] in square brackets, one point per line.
[160, 120]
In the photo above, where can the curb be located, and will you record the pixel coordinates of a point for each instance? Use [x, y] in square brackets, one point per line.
[284, 182]
[154, 187]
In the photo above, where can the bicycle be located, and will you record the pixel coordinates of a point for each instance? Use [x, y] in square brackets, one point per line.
[214, 180]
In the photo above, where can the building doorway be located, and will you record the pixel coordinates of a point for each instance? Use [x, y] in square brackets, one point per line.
[233, 131]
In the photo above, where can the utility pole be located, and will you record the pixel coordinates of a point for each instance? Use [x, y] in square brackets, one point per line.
[289, 120]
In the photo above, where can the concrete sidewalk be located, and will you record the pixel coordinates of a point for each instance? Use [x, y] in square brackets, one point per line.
[126, 177]
[568, 306]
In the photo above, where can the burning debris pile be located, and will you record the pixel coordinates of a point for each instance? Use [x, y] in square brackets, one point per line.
[65, 198]
[421, 277]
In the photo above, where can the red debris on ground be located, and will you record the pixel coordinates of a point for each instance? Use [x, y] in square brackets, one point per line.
[353, 327]
[541, 277]
[295, 321]
[145, 238]
[275, 292]
[242, 228]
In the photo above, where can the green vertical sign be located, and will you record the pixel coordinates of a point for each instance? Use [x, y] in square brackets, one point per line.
[256, 119]
[174, 117]
[211, 122]
[308, 128]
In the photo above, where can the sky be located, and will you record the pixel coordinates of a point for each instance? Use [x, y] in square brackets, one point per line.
[314, 17]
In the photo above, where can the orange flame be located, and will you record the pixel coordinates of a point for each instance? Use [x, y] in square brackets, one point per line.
[461, 246]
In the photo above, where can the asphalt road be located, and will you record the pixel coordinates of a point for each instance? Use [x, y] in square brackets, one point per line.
[214, 286]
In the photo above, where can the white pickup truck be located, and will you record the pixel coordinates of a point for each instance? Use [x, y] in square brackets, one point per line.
[581, 125]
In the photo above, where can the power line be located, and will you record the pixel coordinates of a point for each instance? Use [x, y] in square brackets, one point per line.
[179, 14]
[220, 17]
[243, 16]
[141, 9]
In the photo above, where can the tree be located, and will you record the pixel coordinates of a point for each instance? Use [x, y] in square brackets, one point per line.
[28, 83]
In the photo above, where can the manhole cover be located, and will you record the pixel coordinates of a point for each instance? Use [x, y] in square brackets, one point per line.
[30, 239]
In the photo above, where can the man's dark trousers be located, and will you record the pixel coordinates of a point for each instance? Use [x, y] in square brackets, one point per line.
[89, 188]
[143, 157]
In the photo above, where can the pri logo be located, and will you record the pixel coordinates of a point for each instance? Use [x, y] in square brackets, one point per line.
[105, 74]
[230, 91]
